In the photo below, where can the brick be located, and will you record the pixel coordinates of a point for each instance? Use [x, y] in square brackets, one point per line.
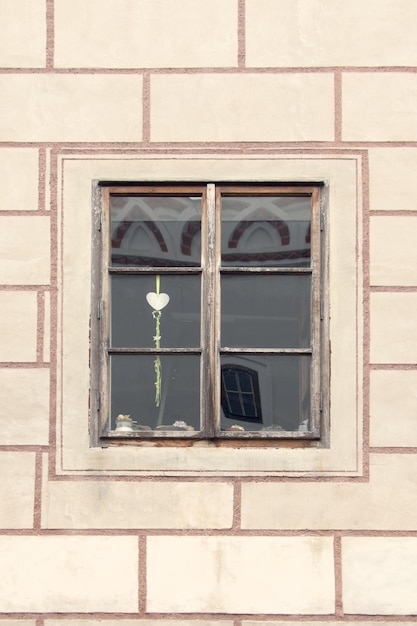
[379, 575]
[24, 250]
[17, 488]
[251, 107]
[393, 327]
[393, 253]
[24, 417]
[138, 505]
[216, 574]
[68, 574]
[18, 313]
[23, 33]
[18, 179]
[378, 504]
[393, 408]
[186, 33]
[391, 179]
[310, 33]
[54, 107]
[379, 106]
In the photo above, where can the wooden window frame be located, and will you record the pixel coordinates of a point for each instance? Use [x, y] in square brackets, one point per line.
[210, 271]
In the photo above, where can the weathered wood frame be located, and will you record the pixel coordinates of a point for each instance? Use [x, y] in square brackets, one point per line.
[210, 351]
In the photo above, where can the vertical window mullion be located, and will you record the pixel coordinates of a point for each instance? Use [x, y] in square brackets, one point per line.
[209, 361]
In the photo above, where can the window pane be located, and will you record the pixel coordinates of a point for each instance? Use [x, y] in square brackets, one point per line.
[156, 231]
[279, 398]
[136, 320]
[265, 311]
[134, 385]
[266, 231]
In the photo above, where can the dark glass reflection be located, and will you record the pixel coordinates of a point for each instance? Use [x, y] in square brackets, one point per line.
[265, 393]
[133, 321]
[265, 311]
[240, 393]
[156, 231]
[133, 391]
[262, 231]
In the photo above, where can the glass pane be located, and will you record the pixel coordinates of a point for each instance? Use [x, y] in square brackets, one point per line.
[134, 383]
[156, 231]
[265, 311]
[266, 231]
[277, 399]
[137, 319]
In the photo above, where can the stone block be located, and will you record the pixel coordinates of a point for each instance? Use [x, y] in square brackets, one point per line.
[379, 106]
[393, 253]
[23, 33]
[18, 313]
[391, 179]
[25, 250]
[250, 107]
[310, 33]
[24, 406]
[140, 33]
[379, 575]
[393, 327]
[68, 574]
[63, 107]
[18, 179]
[137, 505]
[17, 488]
[393, 408]
[240, 575]
[378, 504]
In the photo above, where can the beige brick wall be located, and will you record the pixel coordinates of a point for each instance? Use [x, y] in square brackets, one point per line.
[222, 78]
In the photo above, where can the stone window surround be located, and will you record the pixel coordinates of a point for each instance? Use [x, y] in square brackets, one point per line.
[341, 173]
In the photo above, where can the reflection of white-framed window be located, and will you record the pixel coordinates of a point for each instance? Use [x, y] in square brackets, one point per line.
[240, 396]
[210, 315]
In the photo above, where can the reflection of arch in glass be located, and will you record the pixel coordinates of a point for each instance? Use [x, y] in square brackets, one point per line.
[308, 234]
[190, 230]
[137, 229]
[240, 395]
[259, 225]
[140, 234]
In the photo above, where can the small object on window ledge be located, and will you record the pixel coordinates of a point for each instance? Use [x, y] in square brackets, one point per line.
[236, 427]
[141, 426]
[273, 427]
[124, 422]
[177, 425]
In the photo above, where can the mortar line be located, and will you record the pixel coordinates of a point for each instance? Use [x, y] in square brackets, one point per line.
[241, 34]
[142, 562]
[338, 575]
[146, 104]
[37, 504]
[237, 505]
[40, 327]
[338, 105]
[50, 34]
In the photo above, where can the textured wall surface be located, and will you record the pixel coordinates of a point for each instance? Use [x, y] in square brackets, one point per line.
[174, 78]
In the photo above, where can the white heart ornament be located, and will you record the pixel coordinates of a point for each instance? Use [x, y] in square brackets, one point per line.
[157, 300]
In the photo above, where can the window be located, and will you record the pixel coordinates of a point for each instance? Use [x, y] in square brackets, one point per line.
[209, 318]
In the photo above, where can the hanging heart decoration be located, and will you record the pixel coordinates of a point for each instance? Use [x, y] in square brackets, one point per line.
[157, 300]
